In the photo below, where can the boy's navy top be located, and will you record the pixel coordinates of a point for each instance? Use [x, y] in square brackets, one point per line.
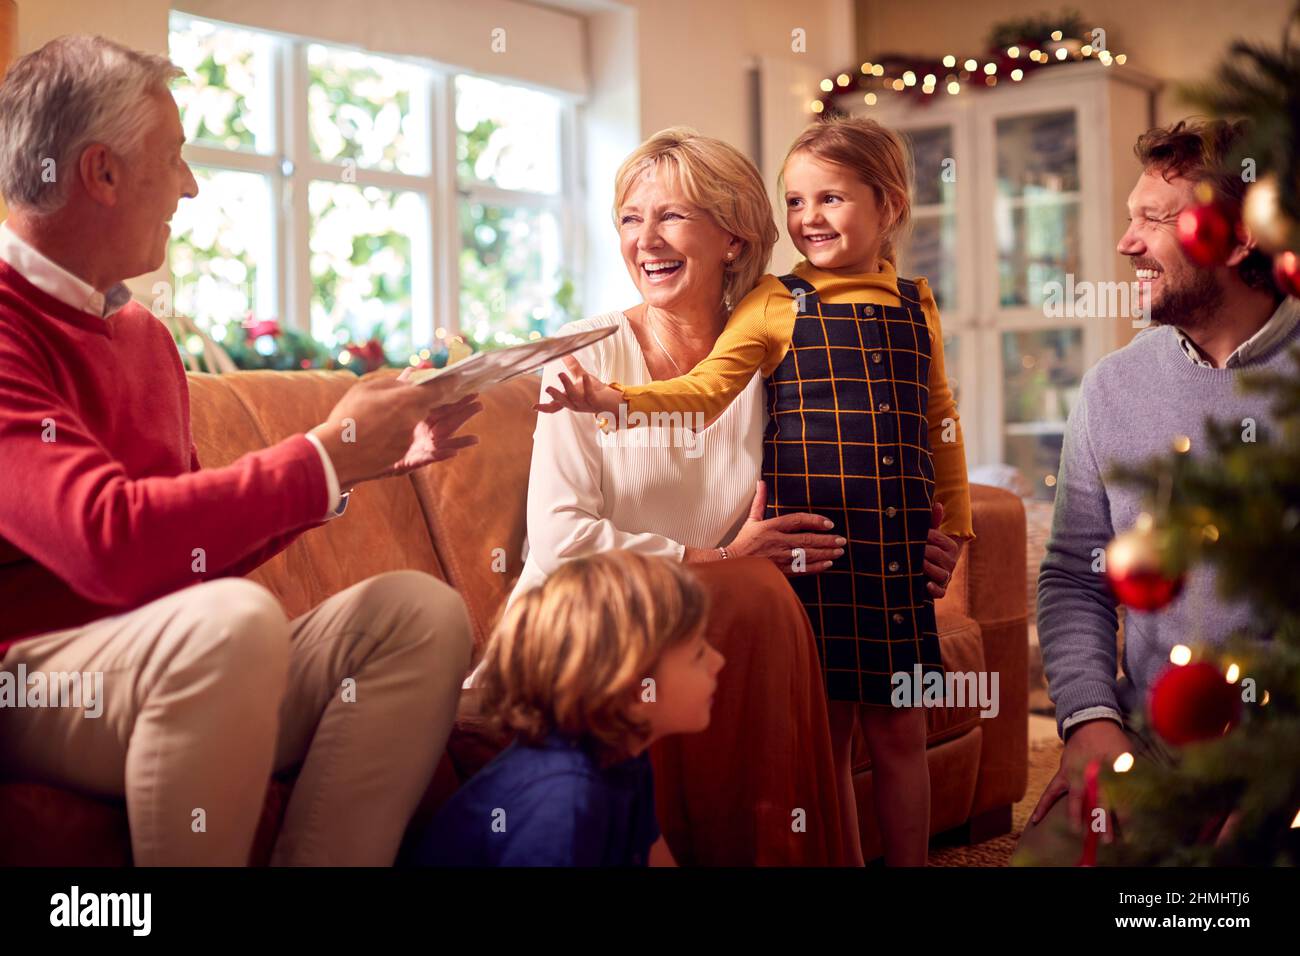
[547, 805]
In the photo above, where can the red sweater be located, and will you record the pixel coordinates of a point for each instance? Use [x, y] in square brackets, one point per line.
[106, 516]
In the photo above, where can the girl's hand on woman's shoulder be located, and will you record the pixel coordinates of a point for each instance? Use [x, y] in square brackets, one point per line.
[790, 541]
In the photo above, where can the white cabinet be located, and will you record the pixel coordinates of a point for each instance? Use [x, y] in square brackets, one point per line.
[1016, 188]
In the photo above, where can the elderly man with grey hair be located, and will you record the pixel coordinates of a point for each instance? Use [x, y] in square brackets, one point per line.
[206, 687]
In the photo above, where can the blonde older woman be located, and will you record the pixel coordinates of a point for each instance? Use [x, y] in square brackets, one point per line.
[696, 231]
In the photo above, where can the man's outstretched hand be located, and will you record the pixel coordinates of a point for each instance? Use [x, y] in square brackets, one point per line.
[1102, 740]
[581, 393]
[383, 427]
[435, 438]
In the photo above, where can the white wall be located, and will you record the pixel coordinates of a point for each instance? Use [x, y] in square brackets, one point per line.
[137, 23]
[688, 63]
[539, 44]
[695, 56]
[141, 24]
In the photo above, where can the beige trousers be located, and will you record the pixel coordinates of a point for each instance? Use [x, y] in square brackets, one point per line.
[210, 689]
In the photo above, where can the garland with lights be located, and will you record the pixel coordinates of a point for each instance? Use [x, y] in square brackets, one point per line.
[919, 78]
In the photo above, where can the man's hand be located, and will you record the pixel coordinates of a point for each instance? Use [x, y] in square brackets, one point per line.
[383, 427]
[435, 438]
[1102, 740]
[583, 393]
[941, 554]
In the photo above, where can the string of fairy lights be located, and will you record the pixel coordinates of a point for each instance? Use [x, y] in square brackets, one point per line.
[922, 78]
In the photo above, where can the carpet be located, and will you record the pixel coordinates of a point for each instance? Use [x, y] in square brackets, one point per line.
[1044, 759]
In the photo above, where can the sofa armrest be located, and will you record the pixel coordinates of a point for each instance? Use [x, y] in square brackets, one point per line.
[988, 585]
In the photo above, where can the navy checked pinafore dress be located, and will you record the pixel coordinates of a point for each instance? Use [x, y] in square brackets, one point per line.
[848, 438]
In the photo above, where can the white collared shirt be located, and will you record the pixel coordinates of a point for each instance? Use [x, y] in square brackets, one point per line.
[1278, 327]
[54, 280]
[57, 282]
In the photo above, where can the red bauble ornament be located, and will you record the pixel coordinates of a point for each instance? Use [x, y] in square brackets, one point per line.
[1286, 273]
[1193, 702]
[1207, 233]
[1139, 570]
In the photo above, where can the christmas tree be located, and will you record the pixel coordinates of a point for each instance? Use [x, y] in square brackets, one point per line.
[1229, 713]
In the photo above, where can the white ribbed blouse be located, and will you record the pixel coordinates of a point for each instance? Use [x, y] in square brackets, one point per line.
[635, 488]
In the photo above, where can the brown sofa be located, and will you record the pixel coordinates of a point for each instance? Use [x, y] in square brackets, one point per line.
[461, 521]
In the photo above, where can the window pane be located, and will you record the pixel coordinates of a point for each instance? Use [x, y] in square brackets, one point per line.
[368, 109]
[221, 251]
[225, 95]
[510, 283]
[507, 135]
[364, 245]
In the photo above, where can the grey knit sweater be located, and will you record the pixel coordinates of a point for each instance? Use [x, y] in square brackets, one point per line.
[1132, 405]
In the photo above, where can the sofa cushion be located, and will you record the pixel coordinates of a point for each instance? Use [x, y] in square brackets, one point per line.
[42, 825]
[979, 585]
[476, 503]
[384, 527]
[954, 772]
[225, 427]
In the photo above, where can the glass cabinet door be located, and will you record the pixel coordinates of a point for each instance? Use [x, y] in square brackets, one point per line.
[930, 248]
[1041, 372]
[1036, 206]
[1037, 234]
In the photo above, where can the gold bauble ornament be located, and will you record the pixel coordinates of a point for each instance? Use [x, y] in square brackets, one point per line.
[1268, 222]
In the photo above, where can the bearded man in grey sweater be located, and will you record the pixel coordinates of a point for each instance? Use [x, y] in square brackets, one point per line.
[1208, 327]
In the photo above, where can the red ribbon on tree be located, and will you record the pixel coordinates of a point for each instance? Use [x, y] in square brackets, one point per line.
[1091, 836]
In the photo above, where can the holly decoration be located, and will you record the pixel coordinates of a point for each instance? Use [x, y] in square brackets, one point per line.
[255, 328]
[363, 357]
[1142, 567]
[1193, 702]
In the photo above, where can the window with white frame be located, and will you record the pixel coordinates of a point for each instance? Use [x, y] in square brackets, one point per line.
[353, 195]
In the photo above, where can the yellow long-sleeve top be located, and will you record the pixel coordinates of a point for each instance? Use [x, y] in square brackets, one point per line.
[758, 335]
